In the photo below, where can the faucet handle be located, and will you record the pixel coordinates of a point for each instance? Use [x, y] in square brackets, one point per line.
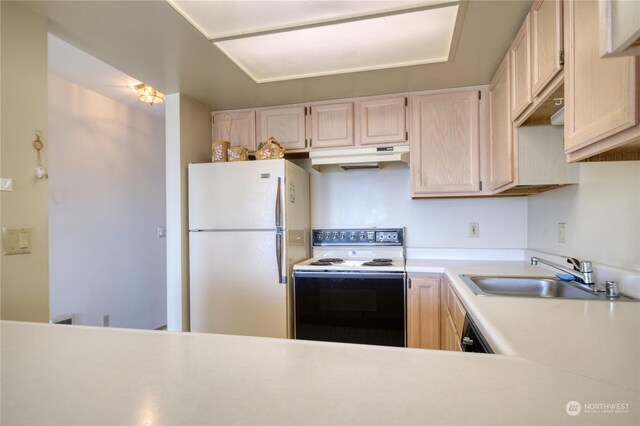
[575, 262]
[585, 266]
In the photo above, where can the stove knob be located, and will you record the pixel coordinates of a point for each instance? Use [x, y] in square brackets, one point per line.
[320, 235]
[343, 236]
[363, 236]
[353, 236]
[335, 236]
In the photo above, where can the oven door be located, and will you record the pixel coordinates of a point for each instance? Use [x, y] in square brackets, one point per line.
[350, 307]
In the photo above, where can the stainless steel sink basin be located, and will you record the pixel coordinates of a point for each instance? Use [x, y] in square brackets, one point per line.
[538, 287]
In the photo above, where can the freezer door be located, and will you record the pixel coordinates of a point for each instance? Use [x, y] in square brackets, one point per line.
[237, 195]
[234, 285]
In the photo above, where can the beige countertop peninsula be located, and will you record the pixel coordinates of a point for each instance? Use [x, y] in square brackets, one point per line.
[55, 374]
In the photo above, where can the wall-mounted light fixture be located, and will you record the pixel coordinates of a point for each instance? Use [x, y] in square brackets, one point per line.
[148, 94]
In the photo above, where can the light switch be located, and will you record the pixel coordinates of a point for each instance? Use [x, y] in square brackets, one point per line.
[6, 184]
[16, 240]
[23, 239]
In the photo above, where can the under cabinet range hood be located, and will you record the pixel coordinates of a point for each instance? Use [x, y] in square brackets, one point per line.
[359, 158]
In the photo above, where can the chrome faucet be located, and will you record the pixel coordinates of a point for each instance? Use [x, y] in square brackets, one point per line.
[582, 271]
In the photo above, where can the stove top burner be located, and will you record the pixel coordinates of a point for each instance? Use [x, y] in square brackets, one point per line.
[327, 261]
[378, 262]
[382, 259]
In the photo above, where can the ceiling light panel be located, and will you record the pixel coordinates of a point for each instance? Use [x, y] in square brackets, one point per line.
[221, 19]
[396, 40]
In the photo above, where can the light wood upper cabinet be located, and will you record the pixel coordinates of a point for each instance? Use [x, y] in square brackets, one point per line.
[501, 129]
[619, 28]
[423, 313]
[286, 125]
[237, 127]
[445, 157]
[546, 43]
[332, 125]
[381, 121]
[601, 94]
[520, 57]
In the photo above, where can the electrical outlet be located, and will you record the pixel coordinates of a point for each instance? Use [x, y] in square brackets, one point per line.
[474, 229]
[562, 232]
[105, 320]
[162, 232]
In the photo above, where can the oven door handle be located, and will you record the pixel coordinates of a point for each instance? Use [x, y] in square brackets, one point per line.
[350, 274]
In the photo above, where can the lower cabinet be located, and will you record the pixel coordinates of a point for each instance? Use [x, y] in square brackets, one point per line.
[423, 312]
[451, 318]
[435, 315]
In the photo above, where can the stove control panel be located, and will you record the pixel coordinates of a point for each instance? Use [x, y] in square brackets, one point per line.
[357, 237]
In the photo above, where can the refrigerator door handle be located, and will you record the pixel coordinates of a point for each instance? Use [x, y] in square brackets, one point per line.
[279, 204]
[282, 279]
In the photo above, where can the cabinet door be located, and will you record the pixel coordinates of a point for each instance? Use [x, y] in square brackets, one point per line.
[520, 57]
[287, 125]
[449, 339]
[332, 125]
[454, 338]
[546, 42]
[445, 143]
[382, 121]
[601, 94]
[501, 128]
[237, 127]
[423, 313]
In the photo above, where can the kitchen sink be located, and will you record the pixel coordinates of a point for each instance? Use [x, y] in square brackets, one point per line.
[538, 287]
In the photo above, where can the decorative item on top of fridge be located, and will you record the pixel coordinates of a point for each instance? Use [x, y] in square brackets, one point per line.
[237, 153]
[219, 151]
[270, 150]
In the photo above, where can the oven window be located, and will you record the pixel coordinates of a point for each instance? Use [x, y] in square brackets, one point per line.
[350, 308]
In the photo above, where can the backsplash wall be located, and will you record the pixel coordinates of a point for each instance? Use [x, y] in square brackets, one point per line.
[366, 198]
[602, 216]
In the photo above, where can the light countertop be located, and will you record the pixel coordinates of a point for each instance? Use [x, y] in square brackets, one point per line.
[55, 374]
[596, 339]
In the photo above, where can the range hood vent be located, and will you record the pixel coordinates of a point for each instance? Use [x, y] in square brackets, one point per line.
[359, 158]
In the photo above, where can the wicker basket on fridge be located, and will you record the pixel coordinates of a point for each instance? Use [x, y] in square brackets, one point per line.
[270, 150]
[219, 151]
[238, 153]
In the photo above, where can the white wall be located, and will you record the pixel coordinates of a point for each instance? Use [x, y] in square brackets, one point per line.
[366, 198]
[188, 132]
[107, 199]
[602, 216]
[25, 278]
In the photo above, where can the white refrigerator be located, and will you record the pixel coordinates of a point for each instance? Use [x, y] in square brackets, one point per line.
[248, 225]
